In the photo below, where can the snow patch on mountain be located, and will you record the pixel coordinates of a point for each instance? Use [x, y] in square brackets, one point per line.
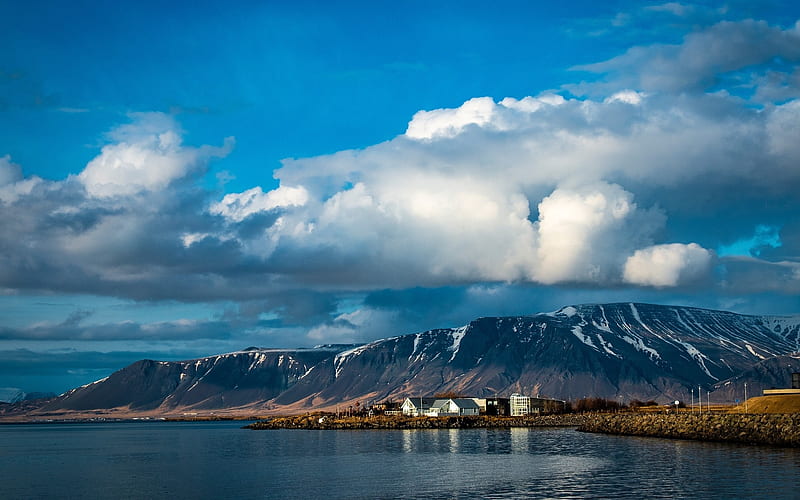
[458, 336]
[698, 356]
[753, 351]
[639, 344]
[578, 332]
[606, 346]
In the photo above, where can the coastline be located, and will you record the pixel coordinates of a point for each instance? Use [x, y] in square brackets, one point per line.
[754, 429]
[330, 422]
[758, 429]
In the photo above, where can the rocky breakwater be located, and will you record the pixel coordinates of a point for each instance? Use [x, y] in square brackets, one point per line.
[331, 422]
[764, 429]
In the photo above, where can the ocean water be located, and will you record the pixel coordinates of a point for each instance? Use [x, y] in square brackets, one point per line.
[221, 460]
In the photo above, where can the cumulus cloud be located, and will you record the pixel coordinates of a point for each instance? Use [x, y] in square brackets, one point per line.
[600, 190]
[148, 155]
[239, 206]
[667, 265]
[9, 172]
[12, 183]
[584, 234]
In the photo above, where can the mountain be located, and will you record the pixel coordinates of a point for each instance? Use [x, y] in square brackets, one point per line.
[229, 380]
[628, 351]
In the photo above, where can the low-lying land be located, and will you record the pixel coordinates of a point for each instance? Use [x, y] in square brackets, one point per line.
[766, 429]
[773, 404]
[760, 429]
[322, 421]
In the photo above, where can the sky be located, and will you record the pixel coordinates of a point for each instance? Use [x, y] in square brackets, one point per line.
[189, 179]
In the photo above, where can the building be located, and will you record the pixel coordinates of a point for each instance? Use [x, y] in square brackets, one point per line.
[544, 405]
[453, 407]
[481, 402]
[433, 407]
[417, 407]
[498, 406]
[786, 392]
[519, 405]
[387, 408]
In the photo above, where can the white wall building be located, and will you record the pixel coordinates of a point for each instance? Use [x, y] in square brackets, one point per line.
[520, 405]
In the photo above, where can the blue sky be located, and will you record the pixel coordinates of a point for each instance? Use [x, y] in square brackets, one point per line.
[193, 179]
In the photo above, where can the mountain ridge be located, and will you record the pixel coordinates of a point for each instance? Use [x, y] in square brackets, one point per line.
[618, 350]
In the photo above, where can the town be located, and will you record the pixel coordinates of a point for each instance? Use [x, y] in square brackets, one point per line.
[455, 405]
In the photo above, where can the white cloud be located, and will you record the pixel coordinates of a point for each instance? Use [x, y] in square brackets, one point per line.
[239, 206]
[449, 122]
[455, 207]
[545, 189]
[13, 185]
[584, 233]
[783, 129]
[667, 265]
[148, 157]
[627, 96]
[481, 112]
[9, 172]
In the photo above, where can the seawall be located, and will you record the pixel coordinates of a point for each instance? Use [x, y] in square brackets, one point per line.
[330, 422]
[766, 429]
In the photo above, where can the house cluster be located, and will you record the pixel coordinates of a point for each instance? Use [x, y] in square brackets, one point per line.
[514, 406]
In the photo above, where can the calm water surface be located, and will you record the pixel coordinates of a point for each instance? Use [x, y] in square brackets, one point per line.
[220, 460]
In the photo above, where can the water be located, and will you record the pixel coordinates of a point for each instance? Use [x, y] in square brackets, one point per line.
[220, 460]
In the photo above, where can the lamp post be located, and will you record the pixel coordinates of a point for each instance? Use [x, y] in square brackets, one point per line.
[745, 397]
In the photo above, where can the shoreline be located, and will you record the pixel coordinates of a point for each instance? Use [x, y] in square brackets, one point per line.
[782, 430]
[755, 429]
[330, 422]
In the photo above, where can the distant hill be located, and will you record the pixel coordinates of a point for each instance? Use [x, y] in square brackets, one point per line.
[623, 350]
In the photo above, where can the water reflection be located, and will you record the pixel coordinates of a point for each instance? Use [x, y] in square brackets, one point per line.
[215, 460]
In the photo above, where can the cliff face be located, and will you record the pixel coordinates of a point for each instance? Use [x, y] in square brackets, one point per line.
[637, 351]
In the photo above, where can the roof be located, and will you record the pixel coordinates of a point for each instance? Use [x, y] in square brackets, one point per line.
[466, 403]
[426, 402]
[462, 403]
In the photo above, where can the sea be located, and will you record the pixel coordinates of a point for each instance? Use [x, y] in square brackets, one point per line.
[221, 460]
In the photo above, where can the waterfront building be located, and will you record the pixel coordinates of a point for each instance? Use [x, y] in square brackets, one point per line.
[453, 407]
[519, 405]
[417, 406]
[498, 407]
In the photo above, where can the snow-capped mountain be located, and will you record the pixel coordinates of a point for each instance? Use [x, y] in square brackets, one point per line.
[622, 350]
[224, 381]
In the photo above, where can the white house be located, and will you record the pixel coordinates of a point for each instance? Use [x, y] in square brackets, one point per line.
[454, 407]
[433, 407]
[416, 407]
